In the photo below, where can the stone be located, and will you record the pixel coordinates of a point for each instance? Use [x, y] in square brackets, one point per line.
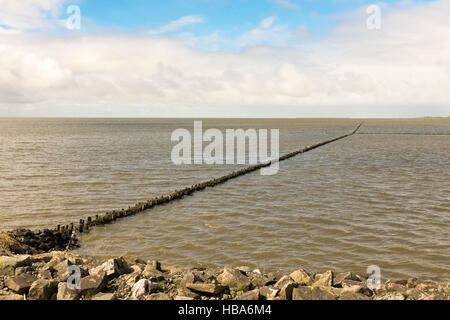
[113, 268]
[155, 265]
[15, 261]
[324, 280]
[234, 279]
[152, 274]
[22, 270]
[268, 292]
[249, 295]
[340, 277]
[43, 289]
[353, 296]
[205, 288]
[64, 293]
[312, 293]
[391, 296]
[189, 277]
[414, 294]
[159, 296]
[9, 296]
[183, 298]
[301, 277]
[92, 284]
[394, 287]
[104, 296]
[185, 292]
[143, 287]
[20, 284]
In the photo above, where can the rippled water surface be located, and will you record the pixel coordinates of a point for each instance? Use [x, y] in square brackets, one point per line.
[380, 199]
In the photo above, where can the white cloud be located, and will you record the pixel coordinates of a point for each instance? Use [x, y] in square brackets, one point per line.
[178, 24]
[402, 69]
[30, 14]
[286, 4]
[267, 22]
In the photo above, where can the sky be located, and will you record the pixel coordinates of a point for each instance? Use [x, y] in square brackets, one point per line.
[223, 58]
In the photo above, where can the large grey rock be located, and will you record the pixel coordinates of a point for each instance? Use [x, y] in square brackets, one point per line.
[113, 268]
[43, 289]
[234, 279]
[20, 284]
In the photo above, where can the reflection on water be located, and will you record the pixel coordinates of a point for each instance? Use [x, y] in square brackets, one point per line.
[368, 199]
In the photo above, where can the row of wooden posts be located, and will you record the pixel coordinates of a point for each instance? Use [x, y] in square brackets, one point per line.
[108, 217]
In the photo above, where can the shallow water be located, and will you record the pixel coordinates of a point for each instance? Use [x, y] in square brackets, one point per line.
[368, 199]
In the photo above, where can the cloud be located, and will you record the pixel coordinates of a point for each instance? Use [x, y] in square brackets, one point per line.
[267, 22]
[30, 14]
[401, 70]
[286, 4]
[178, 24]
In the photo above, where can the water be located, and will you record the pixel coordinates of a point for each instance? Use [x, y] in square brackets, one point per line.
[368, 199]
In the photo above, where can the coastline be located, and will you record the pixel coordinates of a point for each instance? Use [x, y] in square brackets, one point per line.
[43, 276]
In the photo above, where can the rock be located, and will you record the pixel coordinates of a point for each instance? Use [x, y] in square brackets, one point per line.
[268, 293]
[353, 296]
[15, 261]
[259, 280]
[65, 293]
[152, 274]
[234, 279]
[189, 277]
[92, 284]
[301, 277]
[43, 289]
[22, 270]
[285, 286]
[159, 296]
[205, 288]
[312, 293]
[394, 287]
[185, 292]
[20, 284]
[104, 296]
[414, 294]
[249, 295]
[391, 296]
[340, 277]
[9, 296]
[143, 287]
[183, 298]
[155, 265]
[113, 268]
[324, 279]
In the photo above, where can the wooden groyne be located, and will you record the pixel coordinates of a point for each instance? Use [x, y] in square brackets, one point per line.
[65, 235]
[108, 217]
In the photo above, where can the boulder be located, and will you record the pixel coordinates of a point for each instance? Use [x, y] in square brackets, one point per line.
[324, 280]
[20, 284]
[92, 284]
[143, 287]
[340, 277]
[65, 293]
[15, 261]
[104, 296]
[152, 274]
[268, 292]
[10, 296]
[205, 288]
[312, 293]
[301, 277]
[249, 295]
[159, 296]
[189, 277]
[43, 289]
[353, 296]
[113, 268]
[234, 279]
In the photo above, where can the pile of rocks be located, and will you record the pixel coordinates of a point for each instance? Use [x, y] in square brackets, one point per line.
[43, 241]
[45, 277]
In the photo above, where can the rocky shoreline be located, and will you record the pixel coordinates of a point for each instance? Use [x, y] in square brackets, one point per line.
[43, 276]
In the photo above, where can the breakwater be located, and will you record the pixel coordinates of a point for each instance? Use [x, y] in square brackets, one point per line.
[43, 240]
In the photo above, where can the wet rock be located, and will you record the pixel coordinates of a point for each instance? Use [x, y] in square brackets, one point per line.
[104, 296]
[43, 289]
[234, 279]
[312, 293]
[301, 277]
[249, 295]
[20, 284]
[113, 268]
[205, 288]
[324, 279]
